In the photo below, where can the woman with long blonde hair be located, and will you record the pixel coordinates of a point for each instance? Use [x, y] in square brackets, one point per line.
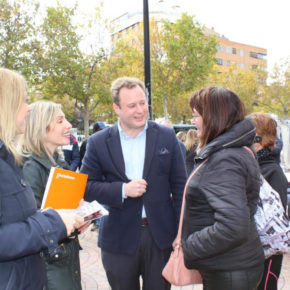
[26, 234]
[46, 130]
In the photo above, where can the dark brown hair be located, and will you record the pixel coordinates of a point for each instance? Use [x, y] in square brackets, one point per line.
[219, 108]
[266, 127]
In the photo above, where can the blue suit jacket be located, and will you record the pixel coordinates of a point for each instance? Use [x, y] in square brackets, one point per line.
[164, 171]
[24, 231]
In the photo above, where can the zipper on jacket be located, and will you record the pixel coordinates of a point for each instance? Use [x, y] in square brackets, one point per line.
[241, 137]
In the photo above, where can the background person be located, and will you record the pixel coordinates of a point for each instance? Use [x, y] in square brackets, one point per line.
[276, 151]
[190, 143]
[46, 130]
[25, 233]
[219, 232]
[181, 135]
[72, 153]
[135, 168]
[266, 128]
[98, 126]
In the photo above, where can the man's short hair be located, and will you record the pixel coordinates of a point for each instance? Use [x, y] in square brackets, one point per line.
[124, 82]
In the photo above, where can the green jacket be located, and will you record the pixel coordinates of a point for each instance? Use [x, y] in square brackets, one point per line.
[63, 273]
[36, 171]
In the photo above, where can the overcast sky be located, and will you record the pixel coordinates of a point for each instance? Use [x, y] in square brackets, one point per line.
[262, 23]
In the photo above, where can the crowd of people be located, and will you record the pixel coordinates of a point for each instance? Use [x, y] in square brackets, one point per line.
[137, 169]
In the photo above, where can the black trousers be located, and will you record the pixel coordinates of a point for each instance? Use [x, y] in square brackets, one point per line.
[272, 269]
[124, 271]
[246, 279]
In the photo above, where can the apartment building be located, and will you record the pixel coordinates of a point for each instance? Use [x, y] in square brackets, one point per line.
[244, 56]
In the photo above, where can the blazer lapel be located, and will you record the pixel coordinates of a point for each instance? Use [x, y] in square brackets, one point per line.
[115, 149]
[151, 137]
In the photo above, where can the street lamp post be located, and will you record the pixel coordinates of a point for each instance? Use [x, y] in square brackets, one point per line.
[147, 62]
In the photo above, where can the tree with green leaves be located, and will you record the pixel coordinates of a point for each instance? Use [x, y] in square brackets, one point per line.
[276, 95]
[189, 58]
[68, 71]
[246, 83]
[19, 43]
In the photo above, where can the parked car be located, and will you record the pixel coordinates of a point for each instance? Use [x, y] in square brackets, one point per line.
[182, 127]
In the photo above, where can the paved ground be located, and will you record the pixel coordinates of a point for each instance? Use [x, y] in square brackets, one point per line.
[94, 277]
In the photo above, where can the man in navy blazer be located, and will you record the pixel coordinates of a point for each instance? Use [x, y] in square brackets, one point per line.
[136, 169]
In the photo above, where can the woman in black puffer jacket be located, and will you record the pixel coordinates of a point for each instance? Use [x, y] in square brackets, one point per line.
[219, 235]
[266, 128]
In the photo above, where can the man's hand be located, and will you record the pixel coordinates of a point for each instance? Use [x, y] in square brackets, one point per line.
[135, 188]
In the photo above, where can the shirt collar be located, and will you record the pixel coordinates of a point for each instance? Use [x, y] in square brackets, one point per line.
[121, 132]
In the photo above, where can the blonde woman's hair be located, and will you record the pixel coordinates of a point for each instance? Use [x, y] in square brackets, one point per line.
[13, 92]
[181, 135]
[41, 115]
[191, 139]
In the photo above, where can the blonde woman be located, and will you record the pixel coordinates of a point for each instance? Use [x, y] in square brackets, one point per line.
[25, 233]
[190, 143]
[46, 130]
[181, 135]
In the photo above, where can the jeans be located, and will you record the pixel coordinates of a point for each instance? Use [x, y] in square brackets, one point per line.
[246, 279]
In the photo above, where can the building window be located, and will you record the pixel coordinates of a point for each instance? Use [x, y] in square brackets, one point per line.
[228, 63]
[219, 48]
[228, 49]
[261, 55]
[242, 53]
[234, 50]
[253, 54]
[219, 61]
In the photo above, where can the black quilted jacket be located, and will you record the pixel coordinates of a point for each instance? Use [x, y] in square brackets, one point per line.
[219, 231]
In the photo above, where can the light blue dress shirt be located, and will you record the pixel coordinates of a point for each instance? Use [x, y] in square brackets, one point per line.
[133, 150]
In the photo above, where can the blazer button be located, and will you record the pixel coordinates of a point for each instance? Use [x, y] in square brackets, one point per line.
[23, 183]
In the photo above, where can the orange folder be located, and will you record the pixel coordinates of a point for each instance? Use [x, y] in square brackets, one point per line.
[64, 189]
